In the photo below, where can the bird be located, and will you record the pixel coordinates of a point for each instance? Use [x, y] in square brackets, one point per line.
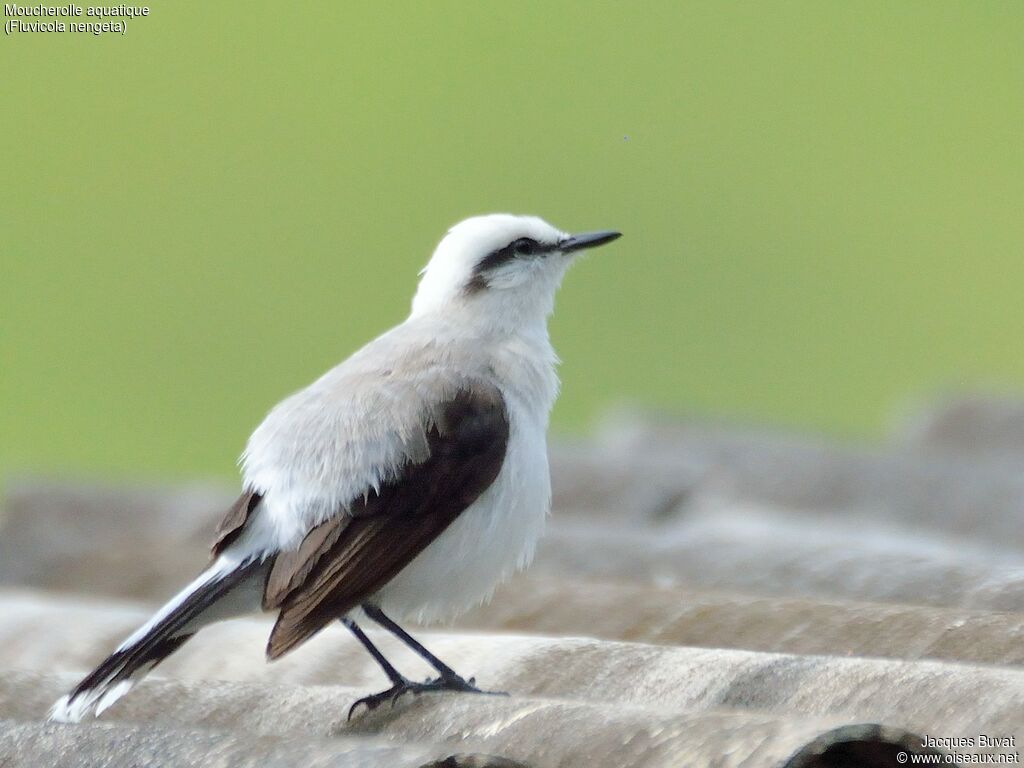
[404, 484]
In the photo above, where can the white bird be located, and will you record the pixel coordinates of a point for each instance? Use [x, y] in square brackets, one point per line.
[406, 482]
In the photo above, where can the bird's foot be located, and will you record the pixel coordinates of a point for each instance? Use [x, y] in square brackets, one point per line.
[403, 686]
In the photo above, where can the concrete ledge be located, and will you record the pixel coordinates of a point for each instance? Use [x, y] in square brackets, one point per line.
[932, 697]
[614, 610]
[248, 720]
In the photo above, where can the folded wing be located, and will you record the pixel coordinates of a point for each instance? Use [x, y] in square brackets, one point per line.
[346, 559]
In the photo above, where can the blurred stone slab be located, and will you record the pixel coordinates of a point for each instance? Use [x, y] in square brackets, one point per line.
[117, 744]
[655, 469]
[532, 731]
[930, 697]
[598, 480]
[60, 541]
[774, 553]
[124, 541]
[713, 619]
[986, 425]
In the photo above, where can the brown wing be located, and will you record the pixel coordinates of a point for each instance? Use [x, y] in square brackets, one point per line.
[349, 557]
[234, 521]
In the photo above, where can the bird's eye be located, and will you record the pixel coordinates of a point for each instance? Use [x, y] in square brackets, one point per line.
[524, 246]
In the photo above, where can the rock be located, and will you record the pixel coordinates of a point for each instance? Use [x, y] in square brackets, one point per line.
[613, 610]
[161, 722]
[129, 542]
[922, 696]
[989, 426]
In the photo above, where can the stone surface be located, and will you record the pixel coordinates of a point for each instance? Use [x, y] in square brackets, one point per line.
[774, 553]
[533, 731]
[100, 539]
[945, 697]
[659, 469]
[614, 610]
[986, 425]
[118, 744]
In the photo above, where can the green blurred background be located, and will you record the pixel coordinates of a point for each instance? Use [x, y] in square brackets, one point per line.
[822, 205]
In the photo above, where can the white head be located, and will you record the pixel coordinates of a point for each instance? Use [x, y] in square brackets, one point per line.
[500, 267]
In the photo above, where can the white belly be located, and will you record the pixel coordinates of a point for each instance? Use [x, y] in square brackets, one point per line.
[487, 543]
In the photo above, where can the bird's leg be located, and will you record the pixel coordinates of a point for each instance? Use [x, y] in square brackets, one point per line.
[393, 674]
[448, 680]
[399, 682]
[379, 616]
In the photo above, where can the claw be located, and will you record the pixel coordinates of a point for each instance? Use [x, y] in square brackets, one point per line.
[373, 701]
[395, 692]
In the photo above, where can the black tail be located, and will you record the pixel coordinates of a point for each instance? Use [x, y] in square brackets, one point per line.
[167, 631]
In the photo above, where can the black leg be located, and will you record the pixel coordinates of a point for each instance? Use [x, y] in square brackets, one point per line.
[448, 680]
[393, 674]
[378, 615]
[399, 682]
